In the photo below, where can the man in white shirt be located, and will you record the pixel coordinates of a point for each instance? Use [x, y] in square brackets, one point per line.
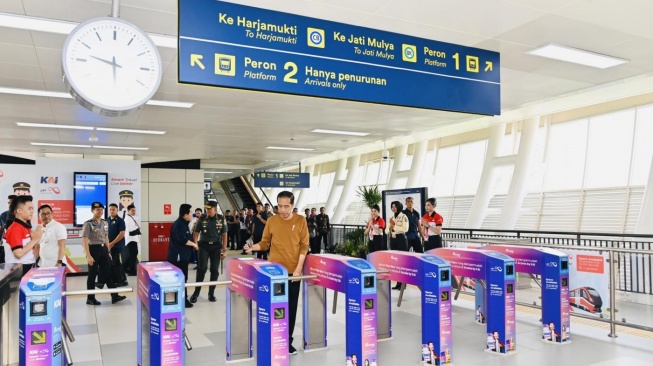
[133, 239]
[52, 246]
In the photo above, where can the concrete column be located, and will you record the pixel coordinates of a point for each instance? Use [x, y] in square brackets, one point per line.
[348, 190]
[517, 191]
[400, 156]
[645, 222]
[483, 194]
[302, 193]
[338, 181]
[417, 167]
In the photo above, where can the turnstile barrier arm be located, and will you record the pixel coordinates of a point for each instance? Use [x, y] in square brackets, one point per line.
[66, 328]
[98, 292]
[401, 294]
[208, 283]
[186, 340]
[460, 286]
[66, 352]
[335, 301]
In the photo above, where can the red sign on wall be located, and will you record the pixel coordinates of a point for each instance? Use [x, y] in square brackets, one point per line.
[159, 240]
[167, 209]
[62, 210]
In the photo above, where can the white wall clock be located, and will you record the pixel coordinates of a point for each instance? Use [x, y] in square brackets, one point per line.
[110, 66]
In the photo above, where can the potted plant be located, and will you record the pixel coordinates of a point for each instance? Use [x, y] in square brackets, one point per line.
[370, 195]
[354, 245]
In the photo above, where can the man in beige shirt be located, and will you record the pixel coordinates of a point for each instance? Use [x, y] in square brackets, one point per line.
[286, 235]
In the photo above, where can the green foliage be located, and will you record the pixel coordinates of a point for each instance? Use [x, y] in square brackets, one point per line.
[370, 195]
[354, 245]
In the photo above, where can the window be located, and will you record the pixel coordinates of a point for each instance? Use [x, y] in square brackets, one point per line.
[566, 160]
[371, 173]
[643, 149]
[445, 172]
[326, 181]
[427, 169]
[470, 167]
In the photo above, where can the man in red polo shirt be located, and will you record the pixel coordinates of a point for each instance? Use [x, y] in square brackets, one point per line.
[432, 223]
[19, 235]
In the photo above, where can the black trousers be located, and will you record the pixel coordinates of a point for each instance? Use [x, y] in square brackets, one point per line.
[116, 265]
[208, 252]
[260, 254]
[416, 244]
[399, 242]
[293, 297]
[234, 236]
[434, 242]
[243, 238]
[377, 243]
[323, 238]
[183, 265]
[129, 266]
[101, 266]
[315, 245]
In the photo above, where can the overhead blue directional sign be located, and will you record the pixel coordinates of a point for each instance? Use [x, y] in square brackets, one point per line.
[282, 180]
[230, 45]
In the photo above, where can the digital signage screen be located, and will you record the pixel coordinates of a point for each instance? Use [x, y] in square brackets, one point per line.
[89, 188]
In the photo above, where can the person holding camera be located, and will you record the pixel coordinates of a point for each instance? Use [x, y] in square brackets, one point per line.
[130, 253]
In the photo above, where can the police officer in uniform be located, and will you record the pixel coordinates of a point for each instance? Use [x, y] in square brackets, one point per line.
[211, 236]
[95, 240]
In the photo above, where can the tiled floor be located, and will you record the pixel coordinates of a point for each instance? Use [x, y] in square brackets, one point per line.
[106, 336]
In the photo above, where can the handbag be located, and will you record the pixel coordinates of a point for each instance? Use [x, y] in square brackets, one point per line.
[137, 231]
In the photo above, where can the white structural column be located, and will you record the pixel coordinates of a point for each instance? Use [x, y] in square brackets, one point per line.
[338, 182]
[484, 194]
[645, 222]
[400, 156]
[517, 190]
[347, 190]
[417, 167]
[302, 193]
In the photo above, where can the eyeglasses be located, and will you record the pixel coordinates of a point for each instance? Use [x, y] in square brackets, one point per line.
[46, 213]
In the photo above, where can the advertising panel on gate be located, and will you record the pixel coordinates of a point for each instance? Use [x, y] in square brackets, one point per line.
[589, 282]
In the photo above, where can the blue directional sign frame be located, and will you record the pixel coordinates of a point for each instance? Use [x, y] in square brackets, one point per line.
[282, 180]
[236, 46]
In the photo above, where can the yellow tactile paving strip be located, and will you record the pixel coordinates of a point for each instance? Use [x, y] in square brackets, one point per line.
[582, 321]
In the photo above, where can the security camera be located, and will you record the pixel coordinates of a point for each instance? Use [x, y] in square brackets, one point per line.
[385, 155]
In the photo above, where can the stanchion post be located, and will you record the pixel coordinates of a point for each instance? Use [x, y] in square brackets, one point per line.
[613, 295]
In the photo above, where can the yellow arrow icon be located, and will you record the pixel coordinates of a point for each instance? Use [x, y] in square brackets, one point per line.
[195, 59]
[38, 337]
[488, 65]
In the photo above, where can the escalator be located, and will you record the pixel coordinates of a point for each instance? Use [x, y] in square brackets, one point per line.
[241, 192]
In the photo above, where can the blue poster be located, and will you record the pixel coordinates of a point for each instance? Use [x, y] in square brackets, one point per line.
[230, 45]
[282, 180]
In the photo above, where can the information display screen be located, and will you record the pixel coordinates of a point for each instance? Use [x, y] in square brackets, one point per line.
[170, 298]
[38, 308]
[89, 188]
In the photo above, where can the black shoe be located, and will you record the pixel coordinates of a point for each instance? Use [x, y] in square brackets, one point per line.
[397, 288]
[93, 302]
[188, 304]
[243, 252]
[195, 268]
[123, 284]
[99, 285]
[292, 350]
[117, 298]
[193, 299]
[212, 298]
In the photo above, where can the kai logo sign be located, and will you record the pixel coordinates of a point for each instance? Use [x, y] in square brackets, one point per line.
[49, 180]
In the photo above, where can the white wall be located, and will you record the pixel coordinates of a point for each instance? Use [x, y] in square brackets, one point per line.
[167, 186]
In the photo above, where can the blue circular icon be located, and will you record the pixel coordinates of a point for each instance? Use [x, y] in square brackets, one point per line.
[316, 37]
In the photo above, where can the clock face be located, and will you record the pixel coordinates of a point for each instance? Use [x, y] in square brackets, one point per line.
[111, 66]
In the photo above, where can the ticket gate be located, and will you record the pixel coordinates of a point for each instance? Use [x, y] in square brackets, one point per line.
[265, 283]
[9, 283]
[496, 272]
[357, 279]
[160, 313]
[433, 276]
[41, 309]
[553, 268]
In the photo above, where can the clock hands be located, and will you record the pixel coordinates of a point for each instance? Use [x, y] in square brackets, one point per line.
[113, 64]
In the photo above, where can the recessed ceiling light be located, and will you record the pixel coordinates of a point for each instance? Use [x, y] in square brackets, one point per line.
[337, 132]
[56, 145]
[218, 172]
[289, 148]
[120, 147]
[577, 56]
[62, 95]
[46, 125]
[127, 130]
[63, 27]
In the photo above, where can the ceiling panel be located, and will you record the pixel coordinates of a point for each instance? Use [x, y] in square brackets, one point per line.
[17, 54]
[15, 36]
[12, 6]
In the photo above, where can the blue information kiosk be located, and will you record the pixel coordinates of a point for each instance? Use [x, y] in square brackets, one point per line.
[265, 283]
[497, 308]
[41, 309]
[433, 276]
[161, 294]
[357, 279]
[553, 268]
